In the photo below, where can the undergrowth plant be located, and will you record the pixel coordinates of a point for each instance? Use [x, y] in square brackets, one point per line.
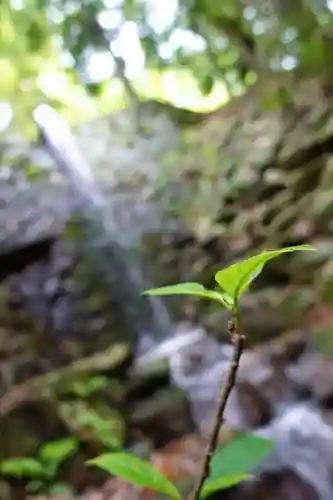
[225, 466]
[42, 470]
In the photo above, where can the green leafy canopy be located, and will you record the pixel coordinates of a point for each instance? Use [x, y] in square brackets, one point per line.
[233, 281]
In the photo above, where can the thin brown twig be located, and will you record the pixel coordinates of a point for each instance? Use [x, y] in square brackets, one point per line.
[238, 341]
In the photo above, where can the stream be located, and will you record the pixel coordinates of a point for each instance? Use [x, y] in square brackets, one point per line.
[104, 238]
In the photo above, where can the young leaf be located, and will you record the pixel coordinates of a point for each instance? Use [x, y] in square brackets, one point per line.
[192, 289]
[85, 388]
[136, 471]
[240, 456]
[59, 450]
[35, 485]
[221, 483]
[236, 279]
[61, 490]
[21, 467]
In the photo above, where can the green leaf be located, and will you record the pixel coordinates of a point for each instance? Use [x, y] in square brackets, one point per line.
[103, 424]
[85, 388]
[236, 279]
[57, 451]
[35, 485]
[18, 467]
[240, 456]
[136, 471]
[192, 289]
[206, 84]
[221, 483]
[61, 489]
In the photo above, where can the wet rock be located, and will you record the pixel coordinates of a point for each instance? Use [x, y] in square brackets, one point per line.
[199, 369]
[278, 485]
[254, 405]
[313, 372]
[284, 393]
[289, 350]
[163, 417]
[304, 444]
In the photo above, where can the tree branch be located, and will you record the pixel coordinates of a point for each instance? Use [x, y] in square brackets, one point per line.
[244, 41]
[239, 342]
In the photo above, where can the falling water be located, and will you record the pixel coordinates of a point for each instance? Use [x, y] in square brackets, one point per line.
[103, 236]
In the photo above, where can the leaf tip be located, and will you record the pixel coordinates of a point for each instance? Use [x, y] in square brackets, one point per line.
[308, 247]
[91, 461]
[150, 291]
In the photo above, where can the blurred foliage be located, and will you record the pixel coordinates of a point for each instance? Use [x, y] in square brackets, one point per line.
[43, 469]
[80, 55]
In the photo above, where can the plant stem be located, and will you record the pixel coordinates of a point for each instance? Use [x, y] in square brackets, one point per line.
[238, 341]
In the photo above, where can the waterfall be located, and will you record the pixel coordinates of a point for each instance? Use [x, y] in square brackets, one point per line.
[103, 237]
